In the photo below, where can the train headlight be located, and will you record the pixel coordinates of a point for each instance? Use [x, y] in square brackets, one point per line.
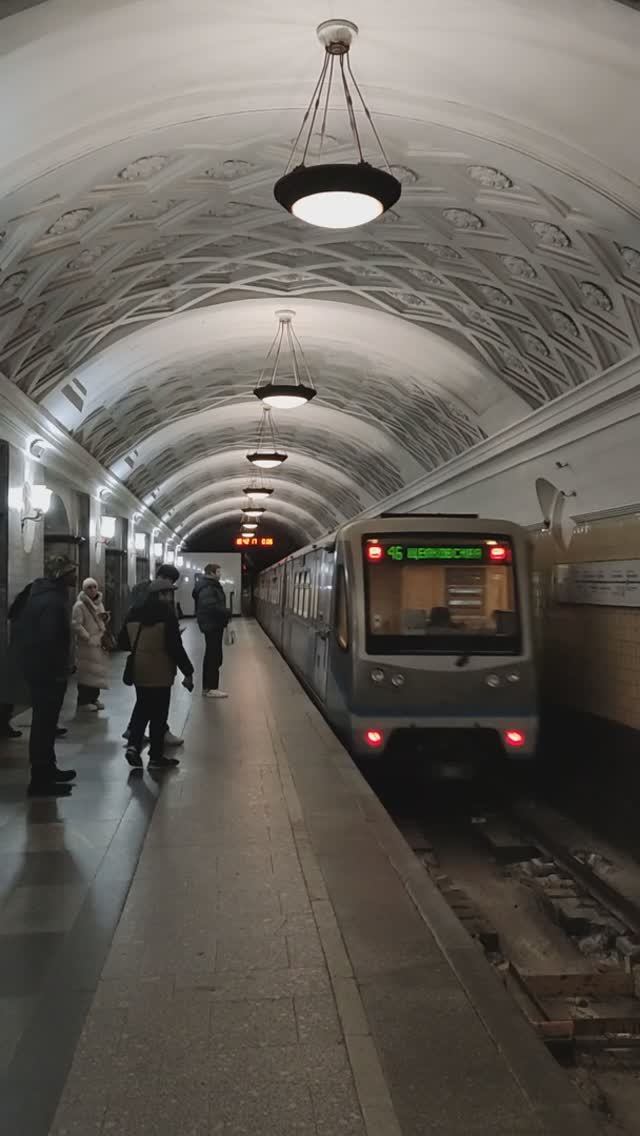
[513, 677]
[377, 676]
[492, 680]
[397, 680]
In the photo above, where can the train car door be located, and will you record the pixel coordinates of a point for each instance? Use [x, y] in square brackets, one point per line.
[324, 581]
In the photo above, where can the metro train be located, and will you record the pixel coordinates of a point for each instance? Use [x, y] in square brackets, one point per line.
[413, 633]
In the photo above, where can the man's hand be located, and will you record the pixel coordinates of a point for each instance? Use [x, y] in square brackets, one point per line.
[187, 682]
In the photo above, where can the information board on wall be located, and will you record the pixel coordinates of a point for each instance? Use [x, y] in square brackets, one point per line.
[605, 583]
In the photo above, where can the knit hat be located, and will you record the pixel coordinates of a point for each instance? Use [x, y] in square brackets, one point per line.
[58, 566]
[89, 583]
[167, 572]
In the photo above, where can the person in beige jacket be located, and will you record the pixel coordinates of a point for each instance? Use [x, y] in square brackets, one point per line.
[92, 661]
[157, 653]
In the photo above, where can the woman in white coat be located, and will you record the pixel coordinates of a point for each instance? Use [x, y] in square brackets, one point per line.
[88, 624]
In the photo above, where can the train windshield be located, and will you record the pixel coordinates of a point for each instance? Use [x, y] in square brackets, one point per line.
[440, 594]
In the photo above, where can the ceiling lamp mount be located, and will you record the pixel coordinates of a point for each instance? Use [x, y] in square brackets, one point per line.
[267, 454]
[336, 195]
[257, 491]
[291, 390]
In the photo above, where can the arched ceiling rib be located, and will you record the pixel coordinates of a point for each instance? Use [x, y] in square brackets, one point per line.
[290, 515]
[224, 516]
[307, 500]
[142, 255]
[308, 472]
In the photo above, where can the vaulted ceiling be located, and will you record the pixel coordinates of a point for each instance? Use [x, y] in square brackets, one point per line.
[142, 255]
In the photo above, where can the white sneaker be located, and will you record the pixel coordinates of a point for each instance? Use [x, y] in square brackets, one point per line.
[171, 739]
[90, 706]
[216, 694]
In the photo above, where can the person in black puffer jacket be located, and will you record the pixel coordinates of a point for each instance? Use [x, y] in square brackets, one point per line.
[212, 616]
[45, 645]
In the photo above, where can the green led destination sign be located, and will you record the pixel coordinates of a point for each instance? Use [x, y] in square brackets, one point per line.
[435, 552]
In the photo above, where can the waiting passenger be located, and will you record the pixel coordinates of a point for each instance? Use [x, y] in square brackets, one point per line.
[156, 655]
[45, 642]
[163, 572]
[440, 617]
[213, 616]
[87, 621]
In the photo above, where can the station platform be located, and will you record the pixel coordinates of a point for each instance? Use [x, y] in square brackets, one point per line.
[245, 945]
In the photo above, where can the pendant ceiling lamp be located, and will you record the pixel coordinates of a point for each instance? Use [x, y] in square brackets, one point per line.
[288, 391]
[252, 512]
[336, 195]
[249, 527]
[257, 491]
[267, 454]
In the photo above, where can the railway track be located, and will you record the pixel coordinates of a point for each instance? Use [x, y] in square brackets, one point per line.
[559, 920]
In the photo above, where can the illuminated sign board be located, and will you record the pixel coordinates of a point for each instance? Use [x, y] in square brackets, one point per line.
[255, 542]
[434, 552]
[378, 551]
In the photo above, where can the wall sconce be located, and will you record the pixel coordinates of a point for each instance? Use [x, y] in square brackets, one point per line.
[179, 561]
[107, 529]
[158, 549]
[32, 502]
[104, 493]
[170, 556]
[37, 498]
[141, 542]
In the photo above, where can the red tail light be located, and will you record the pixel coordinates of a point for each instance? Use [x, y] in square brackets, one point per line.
[374, 738]
[499, 554]
[515, 739]
[374, 552]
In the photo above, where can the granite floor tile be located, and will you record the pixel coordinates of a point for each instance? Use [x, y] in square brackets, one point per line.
[317, 1019]
[247, 1024]
[73, 836]
[42, 908]
[244, 953]
[25, 960]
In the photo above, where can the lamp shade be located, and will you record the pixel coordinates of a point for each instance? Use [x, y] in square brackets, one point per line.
[107, 527]
[267, 459]
[40, 498]
[338, 195]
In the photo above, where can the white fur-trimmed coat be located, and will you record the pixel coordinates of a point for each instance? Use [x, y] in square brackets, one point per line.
[91, 661]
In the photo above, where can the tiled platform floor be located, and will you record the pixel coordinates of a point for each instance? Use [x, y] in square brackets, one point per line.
[281, 963]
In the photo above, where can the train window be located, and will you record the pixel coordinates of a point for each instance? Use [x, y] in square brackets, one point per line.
[441, 593]
[342, 611]
[307, 595]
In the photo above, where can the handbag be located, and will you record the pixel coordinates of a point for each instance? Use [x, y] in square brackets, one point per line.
[127, 676]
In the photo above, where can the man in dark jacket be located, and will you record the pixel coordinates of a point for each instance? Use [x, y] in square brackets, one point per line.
[45, 645]
[139, 593]
[156, 654]
[212, 616]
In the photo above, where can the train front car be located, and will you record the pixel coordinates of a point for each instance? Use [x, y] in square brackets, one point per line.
[442, 664]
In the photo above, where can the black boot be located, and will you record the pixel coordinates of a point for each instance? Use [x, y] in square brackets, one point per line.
[62, 775]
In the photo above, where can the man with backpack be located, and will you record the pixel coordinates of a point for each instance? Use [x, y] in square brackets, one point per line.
[213, 616]
[171, 575]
